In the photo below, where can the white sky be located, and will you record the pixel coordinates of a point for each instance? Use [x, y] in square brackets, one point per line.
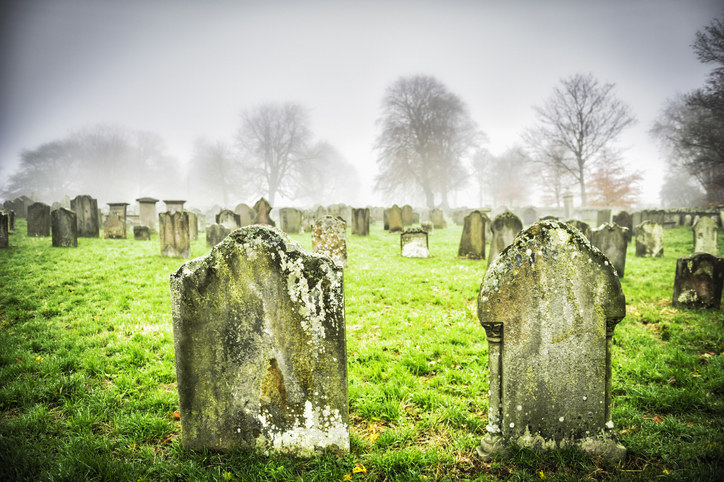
[186, 69]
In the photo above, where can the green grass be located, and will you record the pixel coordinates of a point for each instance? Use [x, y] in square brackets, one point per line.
[87, 377]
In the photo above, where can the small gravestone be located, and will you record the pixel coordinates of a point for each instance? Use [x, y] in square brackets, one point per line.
[549, 305]
[698, 281]
[705, 236]
[215, 234]
[472, 241]
[329, 236]
[427, 227]
[229, 219]
[406, 213]
[147, 212]
[173, 230]
[361, 222]
[193, 225]
[64, 228]
[413, 243]
[115, 225]
[649, 240]
[437, 217]
[259, 338]
[290, 220]
[603, 216]
[4, 229]
[38, 219]
[86, 211]
[246, 214]
[612, 240]
[141, 233]
[504, 228]
[263, 209]
[687, 220]
[625, 220]
[584, 228]
[394, 219]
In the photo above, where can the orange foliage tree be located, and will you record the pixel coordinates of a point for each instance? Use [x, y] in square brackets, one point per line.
[610, 185]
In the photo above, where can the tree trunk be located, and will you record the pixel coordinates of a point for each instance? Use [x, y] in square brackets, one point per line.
[429, 197]
[581, 183]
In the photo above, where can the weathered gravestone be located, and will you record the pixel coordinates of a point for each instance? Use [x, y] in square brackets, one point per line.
[698, 281]
[649, 240]
[215, 234]
[625, 220]
[246, 214]
[394, 219]
[386, 219]
[612, 240]
[229, 219]
[141, 233]
[86, 211]
[11, 220]
[174, 204]
[584, 228]
[147, 212]
[329, 236]
[290, 220]
[705, 236]
[437, 218]
[173, 230]
[413, 243]
[504, 228]
[38, 219]
[4, 229]
[65, 228]
[193, 225]
[472, 241]
[361, 222]
[568, 204]
[427, 227]
[406, 213]
[603, 216]
[549, 305]
[262, 208]
[115, 225]
[259, 337]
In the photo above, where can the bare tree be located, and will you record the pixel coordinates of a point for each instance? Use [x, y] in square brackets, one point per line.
[551, 162]
[275, 140]
[509, 177]
[215, 172]
[327, 176]
[480, 164]
[425, 133]
[583, 117]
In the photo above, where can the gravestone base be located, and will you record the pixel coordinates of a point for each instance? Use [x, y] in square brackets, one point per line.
[601, 446]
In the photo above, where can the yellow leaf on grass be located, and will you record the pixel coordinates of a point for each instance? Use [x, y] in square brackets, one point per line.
[359, 469]
[347, 477]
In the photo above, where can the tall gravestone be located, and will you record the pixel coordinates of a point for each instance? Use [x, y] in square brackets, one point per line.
[290, 220]
[603, 216]
[193, 225]
[4, 229]
[649, 240]
[386, 219]
[86, 212]
[246, 214]
[329, 236]
[11, 219]
[414, 244]
[612, 240]
[472, 241]
[38, 219]
[216, 234]
[698, 281]
[568, 204]
[263, 209]
[504, 228]
[259, 337]
[705, 232]
[394, 219]
[229, 219]
[147, 212]
[173, 230]
[115, 225]
[406, 214]
[361, 221]
[549, 306]
[65, 228]
[437, 218]
[625, 220]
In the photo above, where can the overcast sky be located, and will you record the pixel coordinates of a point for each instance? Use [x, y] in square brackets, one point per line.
[187, 69]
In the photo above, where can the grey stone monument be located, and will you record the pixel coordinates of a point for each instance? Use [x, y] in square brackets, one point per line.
[329, 236]
[472, 241]
[86, 211]
[698, 281]
[603, 217]
[290, 220]
[173, 230]
[147, 212]
[215, 234]
[549, 306]
[413, 243]
[193, 225]
[259, 337]
[437, 217]
[705, 232]
[612, 240]
[38, 220]
[649, 240]
[394, 219]
[115, 225]
[625, 220]
[174, 204]
[504, 228]
[141, 233]
[584, 228]
[65, 228]
[4, 229]
[246, 214]
[568, 204]
[229, 219]
[263, 209]
[406, 213]
[361, 222]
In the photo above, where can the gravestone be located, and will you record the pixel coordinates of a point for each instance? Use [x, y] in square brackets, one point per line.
[215, 234]
[147, 212]
[427, 227]
[584, 228]
[568, 204]
[141, 233]
[603, 216]
[361, 222]
[11, 220]
[115, 225]
[320, 213]
[65, 228]
[698, 281]
[625, 220]
[406, 213]
[259, 338]
[262, 208]
[649, 240]
[394, 219]
[504, 228]
[612, 240]
[174, 204]
[246, 214]
[173, 230]
[38, 219]
[413, 243]
[549, 305]
[705, 232]
[386, 219]
[193, 225]
[329, 236]
[229, 219]
[530, 215]
[437, 218]
[290, 220]
[65, 202]
[472, 241]
[687, 220]
[4, 229]
[86, 212]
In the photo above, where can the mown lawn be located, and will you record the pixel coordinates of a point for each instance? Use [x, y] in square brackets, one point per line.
[87, 377]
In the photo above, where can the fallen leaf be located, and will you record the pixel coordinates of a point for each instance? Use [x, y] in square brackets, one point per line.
[657, 419]
[176, 416]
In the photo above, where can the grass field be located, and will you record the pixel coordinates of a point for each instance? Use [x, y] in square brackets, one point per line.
[87, 377]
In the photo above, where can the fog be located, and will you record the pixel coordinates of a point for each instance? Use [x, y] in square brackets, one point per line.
[172, 80]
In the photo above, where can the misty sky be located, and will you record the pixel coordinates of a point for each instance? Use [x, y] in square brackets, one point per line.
[186, 69]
